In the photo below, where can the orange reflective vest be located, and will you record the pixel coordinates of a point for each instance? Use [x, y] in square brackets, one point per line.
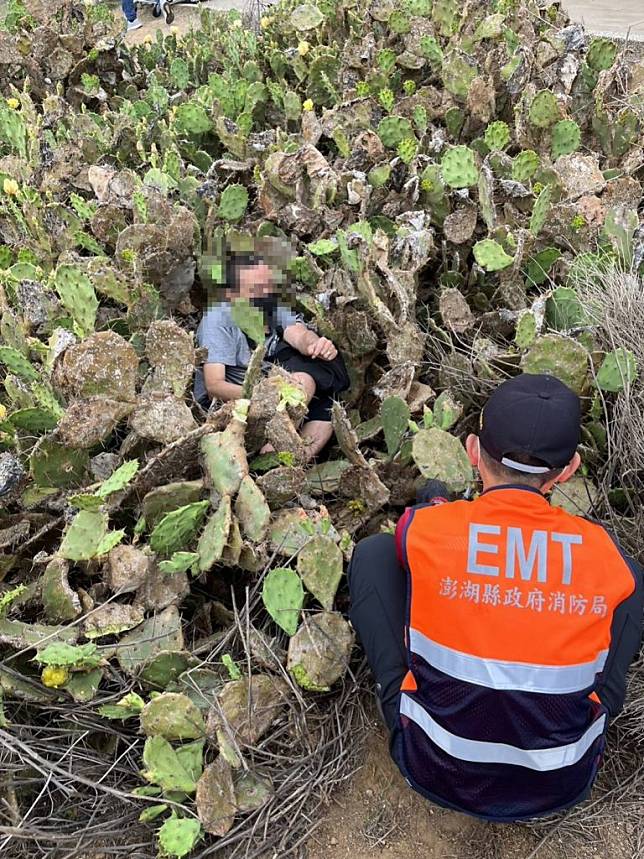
[510, 608]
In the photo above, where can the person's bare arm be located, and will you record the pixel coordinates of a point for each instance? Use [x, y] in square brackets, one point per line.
[308, 343]
[218, 388]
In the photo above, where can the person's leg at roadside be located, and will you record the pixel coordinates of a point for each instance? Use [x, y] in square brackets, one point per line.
[377, 588]
[128, 8]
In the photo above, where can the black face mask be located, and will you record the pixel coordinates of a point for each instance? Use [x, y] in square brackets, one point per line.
[268, 305]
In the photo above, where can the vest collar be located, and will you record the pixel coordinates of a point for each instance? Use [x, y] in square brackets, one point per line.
[514, 486]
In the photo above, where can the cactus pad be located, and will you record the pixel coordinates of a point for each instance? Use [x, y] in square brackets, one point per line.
[233, 203]
[178, 836]
[225, 458]
[172, 716]
[490, 255]
[394, 416]
[544, 110]
[283, 598]
[458, 166]
[318, 654]
[540, 210]
[618, 371]
[394, 129]
[566, 138]
[558, 356]
[441, 456]
[497, 135]
[601, 54]
[252, 511]
[319, 564]
[176, 529]
[525, 165]
[214, 537]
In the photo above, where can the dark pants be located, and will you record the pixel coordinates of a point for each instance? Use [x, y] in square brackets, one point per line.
[378, 590]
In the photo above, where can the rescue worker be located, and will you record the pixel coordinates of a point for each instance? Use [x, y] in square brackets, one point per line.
[500, 630]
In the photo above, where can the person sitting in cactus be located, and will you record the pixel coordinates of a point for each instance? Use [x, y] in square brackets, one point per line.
[500, 630]
[313, 361]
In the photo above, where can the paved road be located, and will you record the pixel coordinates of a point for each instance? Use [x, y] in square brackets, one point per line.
[620, 18]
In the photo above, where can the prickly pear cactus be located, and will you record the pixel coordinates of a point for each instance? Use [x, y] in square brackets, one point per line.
[233, 203]
[224, 454]
[561, 357]
[458, 166]
[497, 135]
[318, 654]
[176, 529]
[252, 511]
[214, 537]
[283, 597]
[618, 370]
[392, 130]
[490, 255]
[566, 138]
[441, 456]
[319, 564]
[544, 109]
[394, 416]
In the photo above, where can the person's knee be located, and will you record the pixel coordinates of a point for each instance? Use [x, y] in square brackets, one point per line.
[307, 382]
[370, 555]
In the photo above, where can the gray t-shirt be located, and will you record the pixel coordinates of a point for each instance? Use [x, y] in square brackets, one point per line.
[227, 343]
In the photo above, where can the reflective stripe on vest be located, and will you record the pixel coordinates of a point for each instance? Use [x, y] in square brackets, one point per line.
[500, 674]
[481, 752]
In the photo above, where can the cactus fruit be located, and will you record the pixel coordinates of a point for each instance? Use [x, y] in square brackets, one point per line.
[407, 149]
[490, 255]
[214, 536]
[566, 138]
[318, 655]
[601, 54]
[319, 564]
[233, 202]
[458, 166]
[176, 529]
[497, 135]
[618, 371]
[544, 110]
[172, 716]
[441, 456]
[558, 356]
[525, 165]
[540, 211]
[393, 129]
[394, 415]
[283, 597]
[224, 457]
[252, 511]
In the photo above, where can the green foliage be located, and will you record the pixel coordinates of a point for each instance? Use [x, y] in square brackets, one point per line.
[179, 73]
[407, 149]
[497, 135]
[127, 707]
[178, 528]
[458, 166]
[180, 562]
[489, 254]
[394, 129]
[80, 656]
[15, 362]
[566, 138]
[249, 318]
[544, 110]
[618, 370]
[164, 767]
[283, 597]
[87, 536]
[119, 479]
[192, 120]
[539, 265]
[431, 50]
[394, 415]
[9, 597]
[564, 310]
[179, 835]
[78, 297]
[601, 54]
[233, 203]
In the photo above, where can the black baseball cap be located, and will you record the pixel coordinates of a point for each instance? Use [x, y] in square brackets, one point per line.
[534, 415]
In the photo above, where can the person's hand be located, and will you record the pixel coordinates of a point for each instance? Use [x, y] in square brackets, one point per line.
[324, 349]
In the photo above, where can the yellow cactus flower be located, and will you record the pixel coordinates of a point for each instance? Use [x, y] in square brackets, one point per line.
[303, 48]
[3, 412]
[265, 22]
[54, 676]
[308, 104]
[10, 187]
[147, 39]
[13, 103]
[174, 31]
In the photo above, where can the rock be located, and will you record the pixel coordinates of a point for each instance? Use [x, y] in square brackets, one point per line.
[455, 311]
[395, 382]
[89, 421]
[172, 716]
[318, 653]
[247, 708]
[112, 619]
[126, 568]
[102, 465]
[103, 364]
[216, 801]
[624, 191]
[60, 602]
[579, 175]
[419, 394]
[162, 418]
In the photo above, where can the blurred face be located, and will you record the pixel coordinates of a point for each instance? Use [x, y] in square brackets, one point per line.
[255, 281]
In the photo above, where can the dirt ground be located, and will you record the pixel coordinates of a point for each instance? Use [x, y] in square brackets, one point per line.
[377, 816]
